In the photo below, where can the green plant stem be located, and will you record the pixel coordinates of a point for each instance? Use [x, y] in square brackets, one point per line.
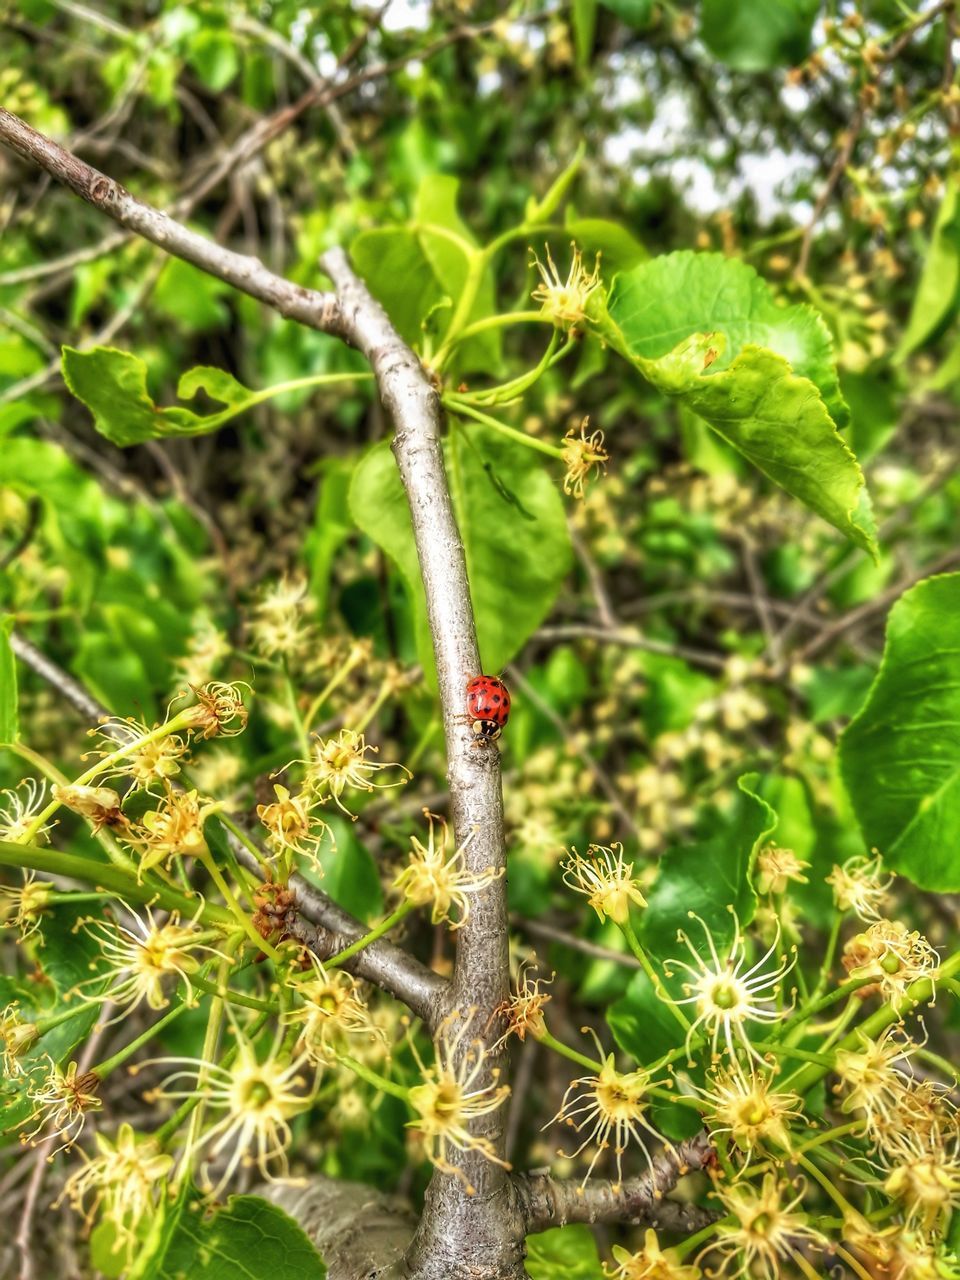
[43, 1025]
[463, 409]
[788, 1051]
[110, 877]
[919, 992]
[503, 321]
[110, 846]
[515, 388]
[852, 1263]
[235, 997]
[828, 955]
[558, 1046]
[105, 1068]
[182, 720]
[238, 913]
[332, 684]
[376, 932]
[935, 1060]
[298, 722]
[804, 1014]
[373, 1078]
[628, 931]
[383, 693]
[687, 1246]
[840, 1200]
[236, 830]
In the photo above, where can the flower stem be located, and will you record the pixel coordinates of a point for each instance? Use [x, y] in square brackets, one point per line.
[298, 722]
[373, 1078]
[463, 409]
[558, 1046]
[238, 913]
[333, 683]
[376, 932]
[628, 931]
[119, 882]
[180, 721]
[840, 1200]
[234, 997]
[105, 1068]
[687, 1246]
[236, 830]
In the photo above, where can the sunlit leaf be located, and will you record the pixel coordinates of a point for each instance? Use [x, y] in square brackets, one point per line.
[900, 756]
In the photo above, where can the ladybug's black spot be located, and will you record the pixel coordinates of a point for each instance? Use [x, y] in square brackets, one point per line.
[496, 697]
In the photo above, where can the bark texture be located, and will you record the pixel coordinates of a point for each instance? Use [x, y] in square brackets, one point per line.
[479, 1236]
[360, 1233]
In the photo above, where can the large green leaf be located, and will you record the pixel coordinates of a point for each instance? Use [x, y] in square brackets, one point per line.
[900, 757]
[9, 724]
[248, 1239]
[513, 527]
[619, 248]
[935, 302]
[661, 302]
[418, 273]
[641, 1023]
[754, 35]
[774, 417]
[396, 270]
[710, 877]
[436, 205]
[570, 1252]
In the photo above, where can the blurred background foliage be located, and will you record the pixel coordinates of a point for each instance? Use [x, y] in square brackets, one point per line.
[695, 623]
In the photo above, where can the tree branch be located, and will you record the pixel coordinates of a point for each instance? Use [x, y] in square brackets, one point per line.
[460, 1235]
[548, 1202]
[249, 275]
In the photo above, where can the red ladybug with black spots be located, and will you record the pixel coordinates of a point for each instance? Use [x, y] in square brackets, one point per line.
[488, 706]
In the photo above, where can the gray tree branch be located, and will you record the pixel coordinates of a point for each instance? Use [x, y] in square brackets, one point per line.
[546, 1201]
[248, 274]
[460, 1235]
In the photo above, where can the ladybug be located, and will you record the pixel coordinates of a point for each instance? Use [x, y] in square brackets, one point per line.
[488, 706]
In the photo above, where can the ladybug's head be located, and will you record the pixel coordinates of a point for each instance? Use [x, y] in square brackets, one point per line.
[488, 729]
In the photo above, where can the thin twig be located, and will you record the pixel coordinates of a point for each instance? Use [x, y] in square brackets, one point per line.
[630, 639]
[549, 932]
[547, 1201]
[837, 170]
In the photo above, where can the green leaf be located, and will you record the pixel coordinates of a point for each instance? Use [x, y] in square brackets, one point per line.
[509, 513]
[396, 270]
[113, 386]
[708, 878]
[935, 302]
[641, 1023]
[213, 56]
[9, 722]
[900, 757]
[619, 248]
[436, 204]
[350, 874]
[660, 303]
[757, 403]
[570, 1252]
[584, 21]
[332, 525]
[754, 35]
[635, 13]
[248, 1239]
